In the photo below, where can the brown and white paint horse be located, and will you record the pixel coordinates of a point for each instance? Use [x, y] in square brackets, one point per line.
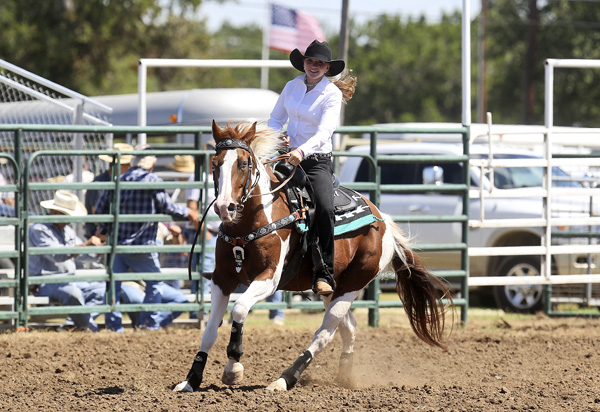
[246, 202]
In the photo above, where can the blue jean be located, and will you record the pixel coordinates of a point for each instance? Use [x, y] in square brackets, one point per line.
[131, 294]
[156, 291]
[276, 313]
[76, 294]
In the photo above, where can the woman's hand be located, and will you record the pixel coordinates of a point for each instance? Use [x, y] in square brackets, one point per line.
[295, 157]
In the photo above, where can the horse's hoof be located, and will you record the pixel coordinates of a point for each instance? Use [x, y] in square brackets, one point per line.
[279, 385]
[183, 387]
[233, 374]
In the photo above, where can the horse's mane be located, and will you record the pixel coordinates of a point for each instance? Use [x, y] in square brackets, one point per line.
[267, 141]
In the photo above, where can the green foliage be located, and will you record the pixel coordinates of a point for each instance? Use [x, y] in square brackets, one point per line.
[408, 69]
[565, 30]
[93, 46]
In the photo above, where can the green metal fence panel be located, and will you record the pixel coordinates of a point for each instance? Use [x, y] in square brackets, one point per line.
[375, 188]
[23, 219]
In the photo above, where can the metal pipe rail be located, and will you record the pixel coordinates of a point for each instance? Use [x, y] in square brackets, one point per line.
[375, 188]
[22, 283]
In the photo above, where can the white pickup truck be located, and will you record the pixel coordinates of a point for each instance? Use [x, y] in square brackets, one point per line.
[513, 298]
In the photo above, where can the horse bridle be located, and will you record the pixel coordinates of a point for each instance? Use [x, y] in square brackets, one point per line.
[238, 243]
[229, 144]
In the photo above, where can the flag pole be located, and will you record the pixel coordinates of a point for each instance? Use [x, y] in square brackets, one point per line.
[264, 71]
[343, 45]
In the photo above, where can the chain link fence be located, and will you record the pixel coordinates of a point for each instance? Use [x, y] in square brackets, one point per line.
[29, 99]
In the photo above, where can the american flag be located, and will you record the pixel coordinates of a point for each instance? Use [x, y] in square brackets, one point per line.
[293, 29]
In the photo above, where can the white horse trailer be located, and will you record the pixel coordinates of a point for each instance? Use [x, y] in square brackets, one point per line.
[192, 107]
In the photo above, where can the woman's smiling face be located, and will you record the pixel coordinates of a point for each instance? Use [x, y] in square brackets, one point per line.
[315, 69]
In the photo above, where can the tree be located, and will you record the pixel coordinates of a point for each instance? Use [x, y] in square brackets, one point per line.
[92, 46]
[407, 71]
[565, 30]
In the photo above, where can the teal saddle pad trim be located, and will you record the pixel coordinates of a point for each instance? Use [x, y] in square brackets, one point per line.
[355, 224]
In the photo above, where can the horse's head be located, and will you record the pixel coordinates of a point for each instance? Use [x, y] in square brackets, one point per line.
[234, 168]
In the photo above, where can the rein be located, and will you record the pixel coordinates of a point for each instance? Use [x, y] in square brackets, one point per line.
[229, 144]
[266, 162]
[239, 243]
[200, 225]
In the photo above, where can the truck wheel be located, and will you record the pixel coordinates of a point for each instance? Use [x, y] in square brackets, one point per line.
[520, 298]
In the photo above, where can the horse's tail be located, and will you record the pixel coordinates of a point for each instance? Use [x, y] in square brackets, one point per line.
[420, 291]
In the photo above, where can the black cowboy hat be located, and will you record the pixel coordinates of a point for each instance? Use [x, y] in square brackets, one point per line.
[319, 51]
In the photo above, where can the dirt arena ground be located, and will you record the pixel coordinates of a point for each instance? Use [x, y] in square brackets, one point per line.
[496, 363]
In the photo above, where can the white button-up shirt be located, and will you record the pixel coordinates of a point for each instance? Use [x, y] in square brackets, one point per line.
[313, 116]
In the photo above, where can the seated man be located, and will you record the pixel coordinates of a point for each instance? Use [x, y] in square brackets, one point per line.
[57, 235]
[75, 293]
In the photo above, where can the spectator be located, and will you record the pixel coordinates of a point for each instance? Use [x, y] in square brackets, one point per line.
[185, 164]
[138, 201]
[63, 235]
[75, 293]
[276, 315]
[92, 196]
[171, 234]
[7, 198]
[86, 175]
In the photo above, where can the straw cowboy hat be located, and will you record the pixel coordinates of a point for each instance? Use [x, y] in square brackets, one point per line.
[65, 202]
[125, 159]
[319, 51]
[183, 164]
[145, 162]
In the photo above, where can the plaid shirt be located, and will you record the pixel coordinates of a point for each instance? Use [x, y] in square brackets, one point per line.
[138, 202]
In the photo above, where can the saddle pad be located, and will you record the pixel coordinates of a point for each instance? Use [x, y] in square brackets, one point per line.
[351, 211]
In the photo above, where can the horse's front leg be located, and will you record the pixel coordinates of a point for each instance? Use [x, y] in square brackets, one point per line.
[218, 307]
[335, 312]
[233, 373]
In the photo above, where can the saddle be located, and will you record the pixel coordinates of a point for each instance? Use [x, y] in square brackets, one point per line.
[350, 209]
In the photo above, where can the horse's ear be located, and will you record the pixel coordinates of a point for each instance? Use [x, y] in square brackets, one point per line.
[250, 134]
[216, 131]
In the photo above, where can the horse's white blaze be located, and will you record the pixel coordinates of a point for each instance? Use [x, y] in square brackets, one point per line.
[225, 197]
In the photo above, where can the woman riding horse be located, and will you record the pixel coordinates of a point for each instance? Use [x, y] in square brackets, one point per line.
[258, 240]
[312, 104]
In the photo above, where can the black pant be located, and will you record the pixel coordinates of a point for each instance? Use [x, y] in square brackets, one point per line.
[320, 174]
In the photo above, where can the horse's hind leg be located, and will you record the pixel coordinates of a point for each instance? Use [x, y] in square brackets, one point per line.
[348, 333]
[335, 313]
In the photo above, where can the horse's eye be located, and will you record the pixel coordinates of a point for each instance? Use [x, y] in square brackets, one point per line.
[243, 164]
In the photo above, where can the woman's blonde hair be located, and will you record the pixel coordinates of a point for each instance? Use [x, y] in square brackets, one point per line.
[346, 83]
